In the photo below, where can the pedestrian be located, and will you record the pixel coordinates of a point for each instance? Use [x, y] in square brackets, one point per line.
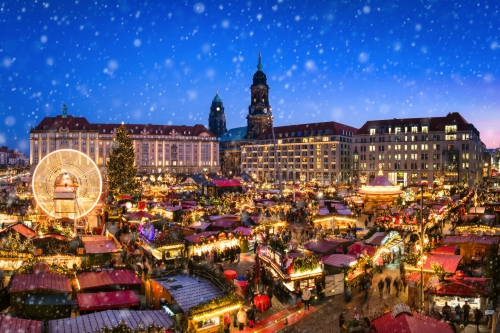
[388, 281]
[396, 286]
[227, 319]
[251, 314]
[478, 315]
[356, 315]
[242, 318]
[405, 283]
[238, 252]
[458, 314]
[306, 297]
[269, 292]
[381, 287]
[446, 311]
[341, 320]
[466, 309]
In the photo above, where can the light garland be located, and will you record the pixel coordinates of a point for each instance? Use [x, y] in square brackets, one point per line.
[218, 312]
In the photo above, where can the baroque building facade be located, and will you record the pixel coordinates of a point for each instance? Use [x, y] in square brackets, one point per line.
[159, 149]
[318, 152]
[442, 150]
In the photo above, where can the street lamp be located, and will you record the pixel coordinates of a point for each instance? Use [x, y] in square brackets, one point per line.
[421, 186]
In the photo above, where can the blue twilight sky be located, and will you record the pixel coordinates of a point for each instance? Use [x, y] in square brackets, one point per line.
[161, 61]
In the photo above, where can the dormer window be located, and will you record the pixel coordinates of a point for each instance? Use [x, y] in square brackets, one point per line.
[373, 131]
[425, 128]
[104, 131]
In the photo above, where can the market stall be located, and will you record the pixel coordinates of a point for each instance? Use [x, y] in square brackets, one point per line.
[211, 245]
[294, 273]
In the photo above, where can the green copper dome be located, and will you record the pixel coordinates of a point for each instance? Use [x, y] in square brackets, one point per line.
[217, 99]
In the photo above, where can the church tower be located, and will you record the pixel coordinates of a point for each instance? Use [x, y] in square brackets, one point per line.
[259, 118]
[217, 118]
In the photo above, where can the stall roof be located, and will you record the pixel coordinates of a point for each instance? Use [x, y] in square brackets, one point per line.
[14, 325]
[52, 236]
[189, 291]
[223, 223]
[44, 281]
[199, 225]
[449, 262]
[107, 300]
[107, 278]
[455, 289]
[323, 245]
[244, 231]
[360, 248]
[376, 238]
[410, 323]
[191, 238]
[225, 182]
[99, 244]
[22, 229]
[445, 249]
[110, 318]
[225, 216]
[487, 240]
[338, 260]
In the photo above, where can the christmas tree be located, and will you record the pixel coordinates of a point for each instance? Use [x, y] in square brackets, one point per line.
[121, 168]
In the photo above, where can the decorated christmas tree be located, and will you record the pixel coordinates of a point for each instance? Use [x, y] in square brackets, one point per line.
[121, 168]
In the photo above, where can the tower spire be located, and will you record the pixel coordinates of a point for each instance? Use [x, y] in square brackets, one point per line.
[259, 65]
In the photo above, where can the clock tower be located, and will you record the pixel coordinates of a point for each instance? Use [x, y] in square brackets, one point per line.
[259, 118]
[217, 118]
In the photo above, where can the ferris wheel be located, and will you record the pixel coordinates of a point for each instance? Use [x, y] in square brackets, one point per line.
[67, 184]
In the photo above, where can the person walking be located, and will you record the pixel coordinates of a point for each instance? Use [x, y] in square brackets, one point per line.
[405, 283]
[251, 314]
[269, 292]
[478, 315]
[381, 287]
[446, 311]
[341, 320]
[388, 281]
[396, 286]
[306, 297]
[242, 319]
[466, 309]
[458, 314]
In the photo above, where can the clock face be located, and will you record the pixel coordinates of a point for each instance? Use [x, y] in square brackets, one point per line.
[263, 100]
[255, 99]
[218, 108]
[265, 110]
[252, 110]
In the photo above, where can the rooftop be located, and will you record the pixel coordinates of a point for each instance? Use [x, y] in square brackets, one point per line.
[110, 318]
[15, 325]
[488, 240]
[307, 130]
[107, 300]
[104, 278]
[189, 291]
[41, 281]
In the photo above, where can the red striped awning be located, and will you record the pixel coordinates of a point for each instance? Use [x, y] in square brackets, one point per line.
[107, 300]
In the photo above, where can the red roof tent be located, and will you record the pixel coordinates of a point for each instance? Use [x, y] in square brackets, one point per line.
[338, 260]
[44, 281]
[15, 325]
[489, 240]
[223, 223]
[445, 249]
[89, 280]
[244, 231]
[226, 182]
[205, 234]
[99, 244]
[410, 323]
[449, 262]
[360, 248]
[107, 300]
[457, 289]
[24, 230]
[324, 245]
